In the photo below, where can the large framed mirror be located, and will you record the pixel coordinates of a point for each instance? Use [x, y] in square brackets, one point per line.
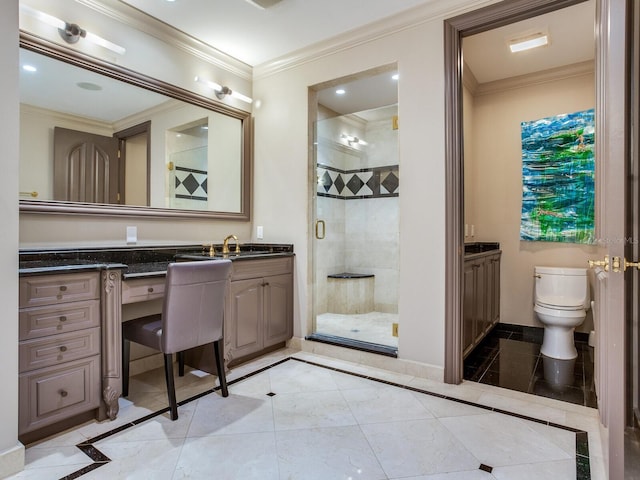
[97, 138]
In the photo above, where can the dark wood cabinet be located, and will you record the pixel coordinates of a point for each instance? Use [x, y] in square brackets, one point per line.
[260, 309]
[481, 304]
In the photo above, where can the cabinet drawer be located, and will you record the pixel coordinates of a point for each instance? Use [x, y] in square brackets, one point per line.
[52, 394]
[260, 268]
[41, 321]
[44, 352]
[53, 289]
[142, 289]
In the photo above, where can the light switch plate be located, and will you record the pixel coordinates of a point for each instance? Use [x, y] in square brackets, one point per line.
[132, 234]
[260, 232]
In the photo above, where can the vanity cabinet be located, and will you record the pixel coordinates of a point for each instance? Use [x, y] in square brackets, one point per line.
[259, 312]
[481, 298]
[59, 348]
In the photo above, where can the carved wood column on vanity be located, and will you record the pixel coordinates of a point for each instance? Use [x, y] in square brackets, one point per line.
[111, 306]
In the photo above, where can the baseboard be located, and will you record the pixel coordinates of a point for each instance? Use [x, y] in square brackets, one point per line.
[12, 461]
[396, 365]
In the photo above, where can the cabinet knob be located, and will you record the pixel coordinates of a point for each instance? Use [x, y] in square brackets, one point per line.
[63, 348]
[63, 318]
[63, 393]
[63, 288]
[150, 289]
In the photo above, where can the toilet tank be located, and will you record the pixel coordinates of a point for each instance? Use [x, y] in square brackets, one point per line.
[562, 287]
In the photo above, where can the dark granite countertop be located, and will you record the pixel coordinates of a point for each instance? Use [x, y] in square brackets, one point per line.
[135, 261]
[477, 248]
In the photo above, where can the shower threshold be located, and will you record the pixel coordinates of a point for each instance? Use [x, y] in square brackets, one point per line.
[354, 344]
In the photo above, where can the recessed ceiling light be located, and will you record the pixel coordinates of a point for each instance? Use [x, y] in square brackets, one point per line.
[528, 42]
[341, 91]
[29, 68]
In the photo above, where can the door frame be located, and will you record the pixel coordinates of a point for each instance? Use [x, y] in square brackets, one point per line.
[611, 135]
[455, 29]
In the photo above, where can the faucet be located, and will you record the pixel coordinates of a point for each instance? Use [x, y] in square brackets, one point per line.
[225, 245]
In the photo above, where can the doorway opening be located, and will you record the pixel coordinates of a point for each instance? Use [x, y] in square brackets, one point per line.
[356, 213]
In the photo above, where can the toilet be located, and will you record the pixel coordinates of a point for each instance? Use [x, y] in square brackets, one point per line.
[561, 301]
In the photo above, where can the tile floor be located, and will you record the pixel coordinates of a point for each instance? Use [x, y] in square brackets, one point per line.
[510, 357]
[296, 415]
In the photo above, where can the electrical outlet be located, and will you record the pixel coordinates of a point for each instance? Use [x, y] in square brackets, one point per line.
[260, 232]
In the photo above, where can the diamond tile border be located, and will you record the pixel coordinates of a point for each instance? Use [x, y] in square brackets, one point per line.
[191, 183]
[583, 469]
[372, 182]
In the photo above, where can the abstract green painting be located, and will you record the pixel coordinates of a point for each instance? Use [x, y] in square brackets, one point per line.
[558, 167]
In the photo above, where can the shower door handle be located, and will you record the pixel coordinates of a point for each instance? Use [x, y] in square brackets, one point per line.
[320, 223]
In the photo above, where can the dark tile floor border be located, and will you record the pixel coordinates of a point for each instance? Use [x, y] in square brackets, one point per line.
[583, 469]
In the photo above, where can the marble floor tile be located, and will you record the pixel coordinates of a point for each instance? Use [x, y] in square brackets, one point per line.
[498, 440]
[327, 453]
[297, 419]
[417, 447]
[248, 456]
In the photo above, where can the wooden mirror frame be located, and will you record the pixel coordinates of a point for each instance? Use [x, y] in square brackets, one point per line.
[78, 59]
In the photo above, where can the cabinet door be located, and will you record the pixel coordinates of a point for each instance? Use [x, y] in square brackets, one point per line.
[245, 314]
[468, 323]
[278, 302]
[493, 290]
[481, 317]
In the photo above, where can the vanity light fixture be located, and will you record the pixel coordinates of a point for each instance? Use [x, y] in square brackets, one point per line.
[341, 91]
[531, 41]
[222, 91]
[71, 32]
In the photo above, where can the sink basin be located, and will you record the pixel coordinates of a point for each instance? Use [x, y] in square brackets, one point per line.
[480, 247]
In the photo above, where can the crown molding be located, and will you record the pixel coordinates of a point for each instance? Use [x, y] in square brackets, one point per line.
[434, 10]
[537, 78]
[138, 20]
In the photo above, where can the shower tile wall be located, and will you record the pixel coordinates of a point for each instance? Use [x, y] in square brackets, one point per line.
[362, 227]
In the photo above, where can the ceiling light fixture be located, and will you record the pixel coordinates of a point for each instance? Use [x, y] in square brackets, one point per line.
[351, 140]
[528, 42]
[222, 91]
[71, 32]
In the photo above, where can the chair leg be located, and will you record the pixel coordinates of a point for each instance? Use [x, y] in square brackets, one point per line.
[171, 388]
[181, 364]
[126, 350]
[217, 349]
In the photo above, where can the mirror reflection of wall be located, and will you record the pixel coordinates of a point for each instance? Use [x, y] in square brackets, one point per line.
[55, 94]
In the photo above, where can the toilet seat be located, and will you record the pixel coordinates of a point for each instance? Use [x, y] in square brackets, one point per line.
[551, 306]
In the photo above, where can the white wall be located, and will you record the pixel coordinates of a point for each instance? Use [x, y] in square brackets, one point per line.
[11, 451]
[282, 146]
[494, 191]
